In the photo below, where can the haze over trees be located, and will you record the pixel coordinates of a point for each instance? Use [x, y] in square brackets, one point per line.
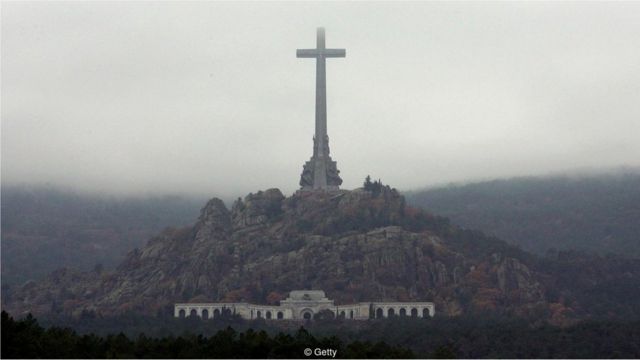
[596, 213]
[45, 228]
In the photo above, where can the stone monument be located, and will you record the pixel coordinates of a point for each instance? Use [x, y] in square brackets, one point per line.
[320, 173]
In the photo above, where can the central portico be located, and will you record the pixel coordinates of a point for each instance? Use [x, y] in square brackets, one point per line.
[320, 173]
[306, 303]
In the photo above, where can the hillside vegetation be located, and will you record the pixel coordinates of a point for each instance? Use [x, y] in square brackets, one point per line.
[440, 337]
[360, 245]
[599, 214]
[46, 228]
[27, 339]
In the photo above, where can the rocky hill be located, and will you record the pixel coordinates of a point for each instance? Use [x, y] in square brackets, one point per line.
[356, 245]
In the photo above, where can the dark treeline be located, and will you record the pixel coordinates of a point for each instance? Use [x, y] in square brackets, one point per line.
[27, 339]
[440, 337]
[598, 214]
[491, 337]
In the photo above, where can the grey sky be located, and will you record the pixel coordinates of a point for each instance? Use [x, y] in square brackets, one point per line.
[208, 97]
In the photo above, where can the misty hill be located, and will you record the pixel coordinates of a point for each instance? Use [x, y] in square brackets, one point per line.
[44, 228]
[357, 245]
[599, 214]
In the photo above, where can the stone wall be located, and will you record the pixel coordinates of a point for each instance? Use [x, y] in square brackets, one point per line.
[305, 311]
[414, 309]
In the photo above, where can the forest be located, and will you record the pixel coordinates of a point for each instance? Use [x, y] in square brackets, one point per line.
[440, 337]
[27, 339]
[46, 228]
[595, 213]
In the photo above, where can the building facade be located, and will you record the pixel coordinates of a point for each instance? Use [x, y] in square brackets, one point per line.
[304, 305]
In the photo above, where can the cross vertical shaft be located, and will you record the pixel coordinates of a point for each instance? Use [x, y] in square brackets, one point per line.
[320, 172]
[321, 97]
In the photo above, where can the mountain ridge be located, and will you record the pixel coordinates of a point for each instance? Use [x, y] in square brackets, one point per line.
[356, 245]
[596, 213]
[45, 228]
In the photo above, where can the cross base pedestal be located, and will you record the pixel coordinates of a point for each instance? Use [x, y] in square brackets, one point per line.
[320, 173]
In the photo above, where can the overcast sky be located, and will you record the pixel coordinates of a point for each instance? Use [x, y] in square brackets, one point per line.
[209, 97]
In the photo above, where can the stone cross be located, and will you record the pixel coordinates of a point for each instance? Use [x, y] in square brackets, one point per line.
[320, 173]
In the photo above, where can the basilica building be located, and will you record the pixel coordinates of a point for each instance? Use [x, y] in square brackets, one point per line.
[303, 305]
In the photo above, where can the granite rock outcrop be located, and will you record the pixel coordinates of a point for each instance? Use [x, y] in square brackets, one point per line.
[356, 245]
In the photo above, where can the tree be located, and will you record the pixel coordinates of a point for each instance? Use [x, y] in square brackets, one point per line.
[274, 298]
[367, 183]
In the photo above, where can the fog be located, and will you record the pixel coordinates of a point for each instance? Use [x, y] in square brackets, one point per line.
[209, 97]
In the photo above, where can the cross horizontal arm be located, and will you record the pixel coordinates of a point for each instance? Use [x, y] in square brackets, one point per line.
[306, 53]
[334, 52]
[314, 53]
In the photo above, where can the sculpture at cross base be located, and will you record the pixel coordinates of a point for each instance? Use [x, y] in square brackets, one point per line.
[320, 172]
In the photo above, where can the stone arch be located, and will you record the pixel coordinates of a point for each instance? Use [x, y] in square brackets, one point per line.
[343, 314]
[226, 312]
[403, 312]
[351, 314]
[259, 314]
[414, 312]
[205, 314]
[391, 312]
[379, 313]
[216, 313]
[425, 312]
[306, 314]
[280, 315]
[182, 313]
[267, 315]
[193, 312]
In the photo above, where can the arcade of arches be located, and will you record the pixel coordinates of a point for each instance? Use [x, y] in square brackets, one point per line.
[306, 305]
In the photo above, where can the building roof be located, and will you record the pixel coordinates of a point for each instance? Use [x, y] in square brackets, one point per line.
[311, 295]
